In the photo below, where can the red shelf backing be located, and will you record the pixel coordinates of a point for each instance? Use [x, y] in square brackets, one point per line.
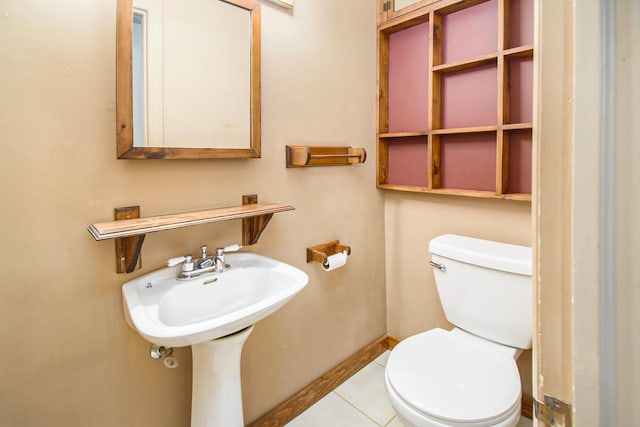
[408, 68]
[468, 161]
[408, 161]
[520, 161]
[469, 98]
[470, 32]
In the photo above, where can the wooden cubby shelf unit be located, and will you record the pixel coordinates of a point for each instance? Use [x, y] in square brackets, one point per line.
[128, 230]
[455, 98]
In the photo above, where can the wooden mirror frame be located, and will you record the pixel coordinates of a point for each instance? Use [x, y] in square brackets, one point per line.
[124, 94]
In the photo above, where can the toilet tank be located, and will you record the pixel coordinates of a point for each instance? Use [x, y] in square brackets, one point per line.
[485, 287]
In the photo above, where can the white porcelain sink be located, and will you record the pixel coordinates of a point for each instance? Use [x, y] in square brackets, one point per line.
[175, 313]
[213, 314]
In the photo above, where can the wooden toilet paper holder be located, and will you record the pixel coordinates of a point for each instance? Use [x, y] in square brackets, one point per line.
[321, 252]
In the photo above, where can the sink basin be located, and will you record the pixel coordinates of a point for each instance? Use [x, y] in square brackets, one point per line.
[176, 313]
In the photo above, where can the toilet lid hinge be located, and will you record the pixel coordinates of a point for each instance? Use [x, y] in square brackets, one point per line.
[553, 412]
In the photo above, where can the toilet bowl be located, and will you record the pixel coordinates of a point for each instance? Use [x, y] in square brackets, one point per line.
[443, 378]
[467, 376]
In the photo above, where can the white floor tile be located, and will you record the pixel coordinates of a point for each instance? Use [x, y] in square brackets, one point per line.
[395, 422]
[365, 390]
[382, 359]
[332, 411]
[363, 393]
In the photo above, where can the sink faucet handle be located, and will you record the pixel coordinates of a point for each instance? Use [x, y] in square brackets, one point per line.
[187, 260]
[232, 248]
[175, 261]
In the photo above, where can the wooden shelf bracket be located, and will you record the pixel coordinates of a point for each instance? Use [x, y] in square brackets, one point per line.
[128, 249]
[253, 227]
[129, 230]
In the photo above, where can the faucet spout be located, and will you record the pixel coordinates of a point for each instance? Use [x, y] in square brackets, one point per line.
[220, 266]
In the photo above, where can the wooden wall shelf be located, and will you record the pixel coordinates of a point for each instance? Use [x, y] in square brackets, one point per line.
[402, 134]
[456, 192]
[129, 230]
[455, 100]
[466, 64]
[135, 227]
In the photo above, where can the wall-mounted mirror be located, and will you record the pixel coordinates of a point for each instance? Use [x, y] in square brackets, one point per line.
[188, 79]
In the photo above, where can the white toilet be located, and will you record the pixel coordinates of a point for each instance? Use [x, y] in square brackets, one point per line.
[467, 376]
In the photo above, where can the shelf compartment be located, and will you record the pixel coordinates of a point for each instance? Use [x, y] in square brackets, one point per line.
[408, 161]
[520, 22]
[468, 161]
[139, 226]
[408, 52]
[470, 32]
[459, 108]
[519, 146]
[520, 85]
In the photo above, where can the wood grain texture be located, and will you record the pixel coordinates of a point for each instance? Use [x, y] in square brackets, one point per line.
[516, 126]
[133, 227]
[434, 13]
[456, 192]
[392, 342]
[124, 79]
[466, 64]
[401, 134]
[471, 129]
[309, 395]
[252, 227]
[124, 95]
[434, 120]
[520, 51]
[382, 118]
[319, 253]
[393, 13]
[313, 155]
[527, 406]
[128, 249]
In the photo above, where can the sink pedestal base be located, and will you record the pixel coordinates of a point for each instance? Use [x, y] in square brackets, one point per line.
[216, 393]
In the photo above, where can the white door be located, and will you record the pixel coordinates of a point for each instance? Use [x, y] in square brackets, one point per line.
[586, 207]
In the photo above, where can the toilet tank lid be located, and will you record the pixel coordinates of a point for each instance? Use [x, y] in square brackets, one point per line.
[484, 253]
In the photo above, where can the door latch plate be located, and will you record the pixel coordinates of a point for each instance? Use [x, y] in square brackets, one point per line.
[553, 412]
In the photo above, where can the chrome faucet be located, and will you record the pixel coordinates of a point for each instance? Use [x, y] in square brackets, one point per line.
[204, 265]
[205, 260]
[219, 259]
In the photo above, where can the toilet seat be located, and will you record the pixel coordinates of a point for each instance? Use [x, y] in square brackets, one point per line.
[455, 380]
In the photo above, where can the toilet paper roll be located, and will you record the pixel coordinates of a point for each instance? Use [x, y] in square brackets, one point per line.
[335, 261]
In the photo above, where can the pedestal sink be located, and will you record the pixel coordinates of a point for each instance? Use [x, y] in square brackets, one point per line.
[214, 314]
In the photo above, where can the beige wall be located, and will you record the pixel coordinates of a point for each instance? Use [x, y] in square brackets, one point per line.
[411, 221]
[68, 357]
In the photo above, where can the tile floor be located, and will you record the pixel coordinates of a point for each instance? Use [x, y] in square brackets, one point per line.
[361, 401]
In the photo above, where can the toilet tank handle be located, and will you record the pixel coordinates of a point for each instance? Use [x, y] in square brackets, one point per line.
[440, 267]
